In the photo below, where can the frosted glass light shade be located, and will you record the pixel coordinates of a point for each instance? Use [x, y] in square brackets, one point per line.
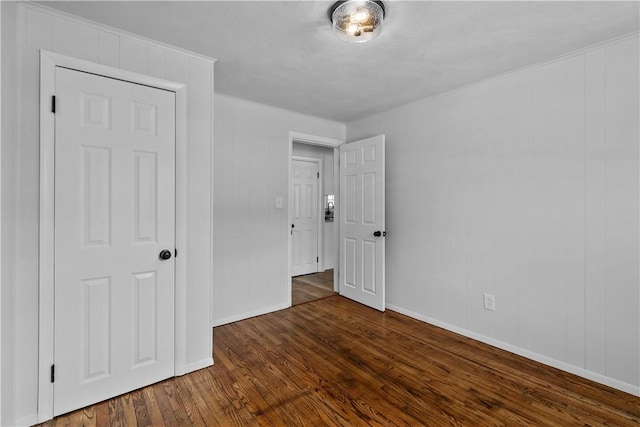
[357, 20]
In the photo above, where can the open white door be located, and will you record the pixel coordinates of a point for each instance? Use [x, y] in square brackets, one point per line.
[362, 222]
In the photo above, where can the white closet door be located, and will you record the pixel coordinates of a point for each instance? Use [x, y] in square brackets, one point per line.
[114, 214]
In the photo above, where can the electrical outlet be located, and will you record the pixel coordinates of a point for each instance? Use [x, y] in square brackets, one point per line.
[489, 302]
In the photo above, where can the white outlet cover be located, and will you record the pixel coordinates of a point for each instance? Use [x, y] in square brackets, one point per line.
[489, 302]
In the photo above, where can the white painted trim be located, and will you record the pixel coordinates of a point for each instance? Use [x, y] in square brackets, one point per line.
[1, 123]
[304, 138]
[182, 228]
[249, 314]
[194, 366]
[212, 203]
[48, 63]
[627, 388]
[323, 142]
[320, 195]
[336, 218]
[115, 31]
[0, 217]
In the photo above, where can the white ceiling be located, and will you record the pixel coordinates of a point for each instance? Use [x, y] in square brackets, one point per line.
[283, 53]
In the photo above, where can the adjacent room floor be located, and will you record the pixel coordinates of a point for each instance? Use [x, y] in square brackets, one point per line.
[311, 287]
[336, 362]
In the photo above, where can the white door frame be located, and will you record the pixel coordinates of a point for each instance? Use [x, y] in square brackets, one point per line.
[48, 63]
[304, 138]
[319, 225]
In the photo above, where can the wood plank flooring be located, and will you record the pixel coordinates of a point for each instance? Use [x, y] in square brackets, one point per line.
[311, 287]
[335, 362]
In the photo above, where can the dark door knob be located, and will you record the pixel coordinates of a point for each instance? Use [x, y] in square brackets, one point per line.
[377, 233]
[165, 254]
[293, 226]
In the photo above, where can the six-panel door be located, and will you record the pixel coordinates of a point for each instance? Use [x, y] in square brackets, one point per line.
[362, 218]
[114, 214]
[304, 215]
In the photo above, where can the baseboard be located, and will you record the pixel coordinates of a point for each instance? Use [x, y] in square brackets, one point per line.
[247, 315]
[593, 376]
[200, 364]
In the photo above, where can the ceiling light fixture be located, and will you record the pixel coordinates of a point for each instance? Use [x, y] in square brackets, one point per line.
[357, 20]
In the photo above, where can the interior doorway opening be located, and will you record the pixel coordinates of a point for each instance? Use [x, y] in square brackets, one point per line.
[313, 237]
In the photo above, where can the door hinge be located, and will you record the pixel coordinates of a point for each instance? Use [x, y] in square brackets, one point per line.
[317, 259]
[53, 104]
[53, 373]
[318, 175]
[176, 253]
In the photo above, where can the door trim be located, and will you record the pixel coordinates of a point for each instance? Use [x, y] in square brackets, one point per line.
[323, 142]
[48, 63]
[320, 224]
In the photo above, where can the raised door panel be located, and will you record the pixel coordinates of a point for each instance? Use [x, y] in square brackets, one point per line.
[369, 199]
[145, 318]
[145, 196]
[369, 266]
[350, 262]
[96, 196]
[350, 206]
[96, 325]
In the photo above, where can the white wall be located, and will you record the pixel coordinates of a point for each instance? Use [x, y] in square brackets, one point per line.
[525, 186]
[38, 28]
[326, 155]
[7, 156]
[251, 168]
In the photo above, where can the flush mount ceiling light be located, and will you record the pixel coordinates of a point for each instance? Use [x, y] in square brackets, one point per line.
[357, 20]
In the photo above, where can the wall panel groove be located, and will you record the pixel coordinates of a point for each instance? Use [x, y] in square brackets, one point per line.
[41, 28]
[551, 195]
[251, 235]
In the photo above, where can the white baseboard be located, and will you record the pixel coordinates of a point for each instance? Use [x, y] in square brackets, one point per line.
[593, 376]
[200, 364]
[247, 315]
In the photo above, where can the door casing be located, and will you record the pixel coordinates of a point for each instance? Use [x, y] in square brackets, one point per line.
[323, 142]
[48, 62]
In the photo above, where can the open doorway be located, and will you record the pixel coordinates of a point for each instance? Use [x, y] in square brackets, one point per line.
[313, 236]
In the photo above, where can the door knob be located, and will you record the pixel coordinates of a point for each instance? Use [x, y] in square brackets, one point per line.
[379, 233]
[293, 226]
[165, 254]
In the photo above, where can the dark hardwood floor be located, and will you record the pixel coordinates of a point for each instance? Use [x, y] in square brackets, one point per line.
[335, 362]
[311, 287]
